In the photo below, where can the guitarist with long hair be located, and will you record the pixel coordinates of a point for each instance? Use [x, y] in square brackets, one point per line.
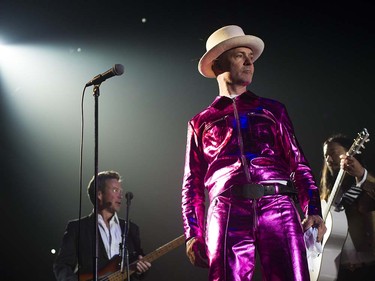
[357, 200]
[76, 252]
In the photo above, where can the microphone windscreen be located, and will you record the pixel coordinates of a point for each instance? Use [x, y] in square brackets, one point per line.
[118, 69]
[129, 195]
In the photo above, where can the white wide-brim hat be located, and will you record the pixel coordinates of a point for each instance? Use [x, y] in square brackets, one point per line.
[224, 39]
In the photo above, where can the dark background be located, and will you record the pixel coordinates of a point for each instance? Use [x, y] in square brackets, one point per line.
[318, 61]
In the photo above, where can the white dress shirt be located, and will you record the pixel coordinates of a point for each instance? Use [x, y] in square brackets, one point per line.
[111, 237]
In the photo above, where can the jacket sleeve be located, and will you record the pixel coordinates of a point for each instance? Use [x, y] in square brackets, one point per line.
[135, 241]
[301, 173]
[135, 249]
[369, 186]
[193, 195]
[66, 260]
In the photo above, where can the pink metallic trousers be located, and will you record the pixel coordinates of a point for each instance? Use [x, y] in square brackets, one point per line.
[237, 228]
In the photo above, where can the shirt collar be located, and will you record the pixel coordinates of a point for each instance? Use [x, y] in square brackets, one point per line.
[223, 101]
[114, 219]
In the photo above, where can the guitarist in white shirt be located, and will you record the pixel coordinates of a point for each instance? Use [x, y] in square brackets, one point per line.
[357, 259]
[110, 226]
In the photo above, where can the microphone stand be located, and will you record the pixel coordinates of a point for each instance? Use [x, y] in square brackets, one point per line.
[96, 94]
[125, 235]
[118, 69]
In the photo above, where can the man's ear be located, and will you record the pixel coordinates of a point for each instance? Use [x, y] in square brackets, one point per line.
[216, 64]
[217, 67]
[100, 195]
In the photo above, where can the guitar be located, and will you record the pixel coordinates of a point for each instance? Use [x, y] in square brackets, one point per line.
[325, 267]
[112, 271]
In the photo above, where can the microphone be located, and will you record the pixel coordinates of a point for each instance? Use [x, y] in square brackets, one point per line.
[117, 69]
[129, 196]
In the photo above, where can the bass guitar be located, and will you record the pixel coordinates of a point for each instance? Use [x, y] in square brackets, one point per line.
[112, 271]
[325, 267]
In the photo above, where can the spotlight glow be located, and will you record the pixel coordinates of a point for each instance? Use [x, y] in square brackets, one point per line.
[5, 52]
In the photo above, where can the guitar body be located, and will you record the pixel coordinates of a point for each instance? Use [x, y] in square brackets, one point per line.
[326, 265]
[112, 267]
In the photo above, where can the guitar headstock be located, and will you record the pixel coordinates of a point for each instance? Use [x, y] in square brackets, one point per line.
[359, 142]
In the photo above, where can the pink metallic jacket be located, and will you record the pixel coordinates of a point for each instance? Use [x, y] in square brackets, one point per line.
[237, 141]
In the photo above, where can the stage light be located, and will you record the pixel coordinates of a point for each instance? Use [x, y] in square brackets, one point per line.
[4, 52]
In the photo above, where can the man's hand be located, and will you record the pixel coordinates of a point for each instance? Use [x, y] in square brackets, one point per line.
[317, 222]
[142, 266]
[195, 250]
[352, 166]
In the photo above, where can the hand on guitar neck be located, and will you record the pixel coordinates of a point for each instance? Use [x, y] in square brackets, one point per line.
[352, 166]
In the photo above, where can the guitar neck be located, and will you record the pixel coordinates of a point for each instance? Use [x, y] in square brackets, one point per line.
[120, 276]
[332, 195]
[164, 249]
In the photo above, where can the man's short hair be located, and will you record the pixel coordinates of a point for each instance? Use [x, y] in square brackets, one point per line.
[101, 179]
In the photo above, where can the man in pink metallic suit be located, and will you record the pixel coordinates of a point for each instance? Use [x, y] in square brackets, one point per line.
[242, 151]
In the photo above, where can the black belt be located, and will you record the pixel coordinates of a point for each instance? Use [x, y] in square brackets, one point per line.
[255, 191]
